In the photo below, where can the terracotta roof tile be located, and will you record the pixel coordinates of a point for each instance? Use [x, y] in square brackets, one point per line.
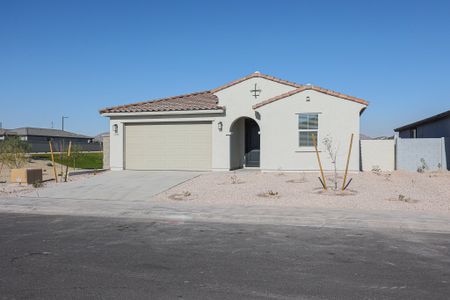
[208, 101]
[314, 88]
[256, 75]
[195, 101]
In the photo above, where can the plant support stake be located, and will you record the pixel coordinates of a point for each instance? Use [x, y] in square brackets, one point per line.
[67, 166]
[324, 183]
[53, 161]
[348, 183]
[348, 161]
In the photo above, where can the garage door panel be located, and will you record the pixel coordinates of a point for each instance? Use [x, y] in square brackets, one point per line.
[168, 146]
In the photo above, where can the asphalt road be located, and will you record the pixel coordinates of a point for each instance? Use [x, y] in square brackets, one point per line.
[53, 257]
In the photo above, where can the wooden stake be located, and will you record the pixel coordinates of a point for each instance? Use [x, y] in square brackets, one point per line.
[320, 164]
[67, 166]
[61, 149]
[53, 161]
[348, 161]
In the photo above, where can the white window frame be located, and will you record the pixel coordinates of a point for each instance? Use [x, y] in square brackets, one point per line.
[316, 130]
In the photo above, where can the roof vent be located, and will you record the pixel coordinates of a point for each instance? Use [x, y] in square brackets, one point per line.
[257, 72]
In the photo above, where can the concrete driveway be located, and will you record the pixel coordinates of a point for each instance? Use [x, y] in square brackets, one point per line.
[120, 185]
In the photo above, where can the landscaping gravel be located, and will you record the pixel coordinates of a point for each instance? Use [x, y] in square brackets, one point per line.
[368, 190]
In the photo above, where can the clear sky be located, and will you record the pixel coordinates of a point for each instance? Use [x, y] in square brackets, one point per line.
[74, 57]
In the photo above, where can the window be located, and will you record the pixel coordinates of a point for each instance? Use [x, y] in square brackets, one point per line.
[308, 125]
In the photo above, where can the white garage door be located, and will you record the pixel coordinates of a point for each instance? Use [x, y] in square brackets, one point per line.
[168, 146]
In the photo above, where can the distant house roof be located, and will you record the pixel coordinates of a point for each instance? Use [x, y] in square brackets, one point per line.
[424, 121]
[28, 131]
[208, 101]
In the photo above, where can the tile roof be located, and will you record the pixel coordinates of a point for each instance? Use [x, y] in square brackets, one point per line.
[195, 101]
[256, 75]
[314, 88]
[208, 101]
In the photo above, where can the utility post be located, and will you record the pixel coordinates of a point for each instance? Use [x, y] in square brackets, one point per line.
[62, 122]
[61, 145]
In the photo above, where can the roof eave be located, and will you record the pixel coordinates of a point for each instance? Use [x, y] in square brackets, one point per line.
[317, 89]
[164, 113]
[424, 121]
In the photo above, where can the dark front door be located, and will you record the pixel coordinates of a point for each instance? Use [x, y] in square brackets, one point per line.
[252, 147]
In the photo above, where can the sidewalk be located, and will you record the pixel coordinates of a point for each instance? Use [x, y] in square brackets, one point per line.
[177, 211]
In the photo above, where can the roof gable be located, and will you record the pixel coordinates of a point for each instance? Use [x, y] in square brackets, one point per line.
[314, 88]
[255, 75]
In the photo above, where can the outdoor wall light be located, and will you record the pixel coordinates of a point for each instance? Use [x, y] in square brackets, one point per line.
[220, 126]
[308, 99]
[115, 129]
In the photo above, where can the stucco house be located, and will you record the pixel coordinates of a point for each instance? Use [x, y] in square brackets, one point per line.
[257, 121]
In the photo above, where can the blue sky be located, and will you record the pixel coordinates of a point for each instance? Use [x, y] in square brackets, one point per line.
[74, 57]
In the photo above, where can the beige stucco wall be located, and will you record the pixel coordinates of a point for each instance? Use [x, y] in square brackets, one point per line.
[239, 102]
[338, 119]
[106, 150]
[378, 154]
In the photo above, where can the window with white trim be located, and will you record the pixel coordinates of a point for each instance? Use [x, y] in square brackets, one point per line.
[308, 125]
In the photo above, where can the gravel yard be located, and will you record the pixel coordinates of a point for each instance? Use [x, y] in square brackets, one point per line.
[369, 190]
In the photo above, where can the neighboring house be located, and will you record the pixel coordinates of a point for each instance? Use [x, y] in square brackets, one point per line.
[38, 138]
[256, 121]
[436, 126]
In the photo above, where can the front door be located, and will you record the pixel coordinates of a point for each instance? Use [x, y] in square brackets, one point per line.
[252, 140]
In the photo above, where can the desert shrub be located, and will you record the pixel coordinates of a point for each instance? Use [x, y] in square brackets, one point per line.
[376, 169]
[332, 153]
[14, 152]
[269, 193]
[272, 193]
[234, 179]
[423, 166]
[38, 184]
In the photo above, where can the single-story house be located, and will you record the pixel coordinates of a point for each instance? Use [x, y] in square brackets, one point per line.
[257, 121]
[38, 139]
[436, 126]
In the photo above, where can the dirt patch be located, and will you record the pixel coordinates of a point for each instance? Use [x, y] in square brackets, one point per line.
[269, 194]
[45, 165]
[338, 192]
[403, 198]
[183, 196]
[8, 189]
[296, 181]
